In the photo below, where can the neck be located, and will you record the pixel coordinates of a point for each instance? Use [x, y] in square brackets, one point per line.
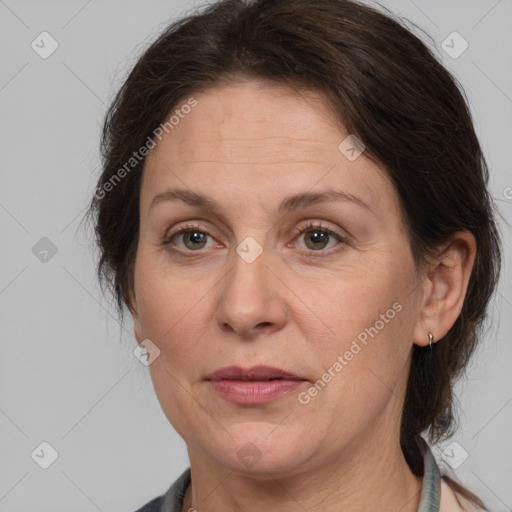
[371, 477]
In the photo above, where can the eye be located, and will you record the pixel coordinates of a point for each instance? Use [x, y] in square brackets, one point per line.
[317, 237]
[192, 236]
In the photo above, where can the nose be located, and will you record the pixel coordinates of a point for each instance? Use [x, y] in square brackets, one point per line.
[251, 299]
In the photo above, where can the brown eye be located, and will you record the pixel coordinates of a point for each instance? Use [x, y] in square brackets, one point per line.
[193, 239]
[316, 239]
[188, 239]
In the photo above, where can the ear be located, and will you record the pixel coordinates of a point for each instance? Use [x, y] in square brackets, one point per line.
[134, 310]
[445, 287]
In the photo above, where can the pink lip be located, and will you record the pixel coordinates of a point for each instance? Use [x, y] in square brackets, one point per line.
[256, 385]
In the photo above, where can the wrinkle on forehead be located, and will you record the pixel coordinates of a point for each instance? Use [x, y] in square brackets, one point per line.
[257, 151]
[262, 126]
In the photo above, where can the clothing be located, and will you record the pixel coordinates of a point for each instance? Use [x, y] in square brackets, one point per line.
[436, 495]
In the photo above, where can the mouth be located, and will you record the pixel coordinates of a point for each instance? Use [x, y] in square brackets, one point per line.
[256, 385]
[259, 373]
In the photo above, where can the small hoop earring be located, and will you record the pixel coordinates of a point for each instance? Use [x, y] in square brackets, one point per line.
[430, 339]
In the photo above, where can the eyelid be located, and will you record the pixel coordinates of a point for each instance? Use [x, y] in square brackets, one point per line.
[318, 224]
[186, 227]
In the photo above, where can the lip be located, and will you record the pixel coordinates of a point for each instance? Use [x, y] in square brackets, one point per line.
[255, 385]
[253, 373]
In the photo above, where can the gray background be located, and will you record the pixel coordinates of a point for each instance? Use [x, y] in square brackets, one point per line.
[68, 375]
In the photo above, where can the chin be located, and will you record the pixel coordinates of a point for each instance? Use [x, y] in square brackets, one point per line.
[259, 453]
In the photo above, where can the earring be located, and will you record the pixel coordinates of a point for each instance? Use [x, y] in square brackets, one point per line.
[430, 339]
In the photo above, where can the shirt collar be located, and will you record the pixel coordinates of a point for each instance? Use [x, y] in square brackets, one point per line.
[431, 489]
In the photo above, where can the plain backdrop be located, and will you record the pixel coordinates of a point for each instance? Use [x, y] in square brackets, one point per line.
[68, 375]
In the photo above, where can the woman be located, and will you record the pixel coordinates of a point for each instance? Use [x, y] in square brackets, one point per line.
[293, 207]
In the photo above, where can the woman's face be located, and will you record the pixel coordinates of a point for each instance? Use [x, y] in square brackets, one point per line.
[295, 258]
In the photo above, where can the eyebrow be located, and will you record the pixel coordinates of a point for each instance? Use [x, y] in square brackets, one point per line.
[288, 204]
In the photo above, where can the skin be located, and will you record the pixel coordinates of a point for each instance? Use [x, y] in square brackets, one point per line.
[248, 146]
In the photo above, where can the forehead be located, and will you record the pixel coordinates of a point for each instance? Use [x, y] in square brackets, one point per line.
[259, 137]
[237, 118]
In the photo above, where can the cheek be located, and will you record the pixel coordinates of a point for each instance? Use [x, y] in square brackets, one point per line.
[355, 301]
[170, 310]
[368, 320]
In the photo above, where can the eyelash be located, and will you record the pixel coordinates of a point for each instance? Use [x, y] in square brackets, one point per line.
[300, 230]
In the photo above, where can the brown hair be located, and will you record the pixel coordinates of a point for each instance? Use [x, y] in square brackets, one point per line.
[387, 88]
